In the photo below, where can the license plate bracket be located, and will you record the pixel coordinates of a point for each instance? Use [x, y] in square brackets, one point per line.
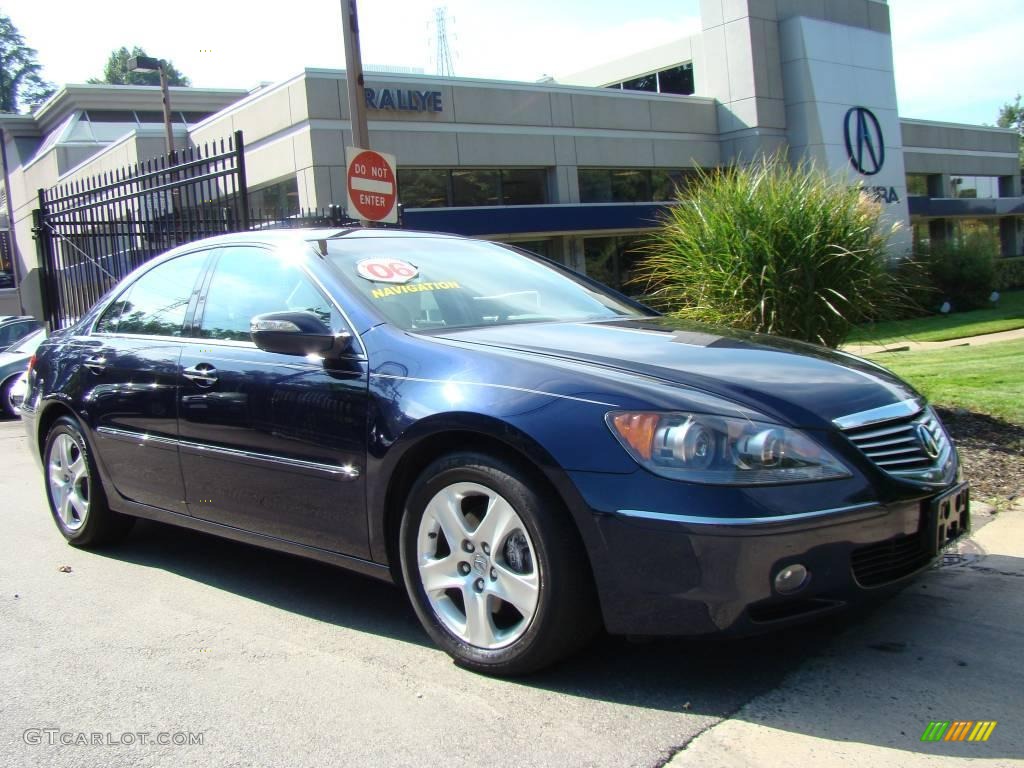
[947, 518]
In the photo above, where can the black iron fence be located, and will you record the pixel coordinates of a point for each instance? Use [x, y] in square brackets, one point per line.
[90, 233]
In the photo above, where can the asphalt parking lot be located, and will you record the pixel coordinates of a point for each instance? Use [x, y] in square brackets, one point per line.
[264, 659]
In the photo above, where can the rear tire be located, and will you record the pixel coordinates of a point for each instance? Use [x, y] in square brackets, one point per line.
[494, 567]
[75, 492]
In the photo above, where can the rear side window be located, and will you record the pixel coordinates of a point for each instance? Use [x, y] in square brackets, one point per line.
[156, 303]
[249, 281]
[14, 332]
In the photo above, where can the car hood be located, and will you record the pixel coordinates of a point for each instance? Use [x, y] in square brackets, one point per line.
[799, 383]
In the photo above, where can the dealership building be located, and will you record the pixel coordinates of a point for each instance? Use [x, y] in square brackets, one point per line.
[577, 168]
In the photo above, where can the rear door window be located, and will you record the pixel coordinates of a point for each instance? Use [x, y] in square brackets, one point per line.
[156, 304]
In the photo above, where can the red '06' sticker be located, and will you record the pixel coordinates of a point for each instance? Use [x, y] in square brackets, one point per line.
[386, 270]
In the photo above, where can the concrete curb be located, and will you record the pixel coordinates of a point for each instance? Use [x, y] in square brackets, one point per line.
[915, 346]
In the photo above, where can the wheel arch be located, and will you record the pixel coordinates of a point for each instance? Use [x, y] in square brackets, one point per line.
[51, 411]
[481, 434]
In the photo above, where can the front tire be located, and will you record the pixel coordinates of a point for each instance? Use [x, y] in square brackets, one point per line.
[495, 569]
[6, 390]
[74, 491]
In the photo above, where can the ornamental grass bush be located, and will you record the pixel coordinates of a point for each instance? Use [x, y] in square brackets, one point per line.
[772, 248]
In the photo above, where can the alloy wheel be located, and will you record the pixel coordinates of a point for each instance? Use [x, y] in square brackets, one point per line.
[68, 474]
[477, 565]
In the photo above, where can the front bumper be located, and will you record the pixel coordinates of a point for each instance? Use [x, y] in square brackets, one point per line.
[668, 574]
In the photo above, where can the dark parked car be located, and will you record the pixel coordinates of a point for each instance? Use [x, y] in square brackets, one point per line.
[13, 328]
[528, 453]
[13, 363]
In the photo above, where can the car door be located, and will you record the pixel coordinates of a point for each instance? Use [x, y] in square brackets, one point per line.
[130, 373]
[271, 443]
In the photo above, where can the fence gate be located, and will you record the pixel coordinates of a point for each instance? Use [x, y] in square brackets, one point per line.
[91, 233]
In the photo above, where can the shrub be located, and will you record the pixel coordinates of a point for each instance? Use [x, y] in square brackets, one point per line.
[963, 270]
[772, 248]
[1009, 273]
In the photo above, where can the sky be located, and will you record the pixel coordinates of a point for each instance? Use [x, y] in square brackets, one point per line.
[954, 61]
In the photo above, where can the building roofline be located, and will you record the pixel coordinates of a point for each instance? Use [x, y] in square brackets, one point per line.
[964, 126]
[81, 95]
[19, 125]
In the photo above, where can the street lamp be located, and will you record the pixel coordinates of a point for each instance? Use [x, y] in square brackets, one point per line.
[151, 64]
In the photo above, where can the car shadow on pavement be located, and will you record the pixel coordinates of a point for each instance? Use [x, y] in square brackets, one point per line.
[707, 676]
[710, 675]
[290, 583]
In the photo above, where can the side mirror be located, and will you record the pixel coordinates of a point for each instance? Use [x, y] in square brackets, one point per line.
[297, 333]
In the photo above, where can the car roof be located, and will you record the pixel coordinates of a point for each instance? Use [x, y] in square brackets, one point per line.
[303, 234]
[4, 319]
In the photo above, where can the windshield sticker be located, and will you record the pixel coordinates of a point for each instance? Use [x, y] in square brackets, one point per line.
[380, 293]
[386, 270]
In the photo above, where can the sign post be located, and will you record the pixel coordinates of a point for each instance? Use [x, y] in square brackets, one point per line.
[371, 186]
[354, 74]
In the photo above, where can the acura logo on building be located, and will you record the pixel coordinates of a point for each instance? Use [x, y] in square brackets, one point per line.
[928, 442]
[864, 143]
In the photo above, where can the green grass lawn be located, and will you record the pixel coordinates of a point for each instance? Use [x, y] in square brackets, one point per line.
[1008, 315]
[987, 379]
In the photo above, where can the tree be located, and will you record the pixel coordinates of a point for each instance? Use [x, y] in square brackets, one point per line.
[21, 85]
[1011, 115]
[116, 71]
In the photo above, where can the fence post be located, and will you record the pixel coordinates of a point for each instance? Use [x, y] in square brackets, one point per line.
[47, 276]
[243, 186]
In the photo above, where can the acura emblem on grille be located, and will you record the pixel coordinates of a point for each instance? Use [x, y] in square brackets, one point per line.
[928, 442]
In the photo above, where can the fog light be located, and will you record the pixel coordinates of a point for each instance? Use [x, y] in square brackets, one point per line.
[791, 578]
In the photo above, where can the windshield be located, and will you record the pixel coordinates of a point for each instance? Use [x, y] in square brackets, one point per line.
[30, 343]
[429, 283]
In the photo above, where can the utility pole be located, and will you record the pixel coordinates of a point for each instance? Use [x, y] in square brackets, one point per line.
[354, 75]
[166, 92]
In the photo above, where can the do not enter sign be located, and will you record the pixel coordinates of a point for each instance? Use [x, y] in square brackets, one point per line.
[371, 184]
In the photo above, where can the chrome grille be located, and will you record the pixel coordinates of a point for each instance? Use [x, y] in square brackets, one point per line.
[899, 446]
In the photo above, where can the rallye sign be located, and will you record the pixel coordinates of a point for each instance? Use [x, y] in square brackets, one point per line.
[405, 99]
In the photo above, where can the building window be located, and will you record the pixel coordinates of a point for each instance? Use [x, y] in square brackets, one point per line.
[278, 199]
[423, 187]
[524, 186]
[631, 185]
[917, 185]
[677, 80]
[611, 260]
[452, 187]
[643, 83]
[6, 260]
[983, 229]
[974, 186]
[475, 187]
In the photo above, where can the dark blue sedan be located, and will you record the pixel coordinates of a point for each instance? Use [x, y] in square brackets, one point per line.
[531, 455]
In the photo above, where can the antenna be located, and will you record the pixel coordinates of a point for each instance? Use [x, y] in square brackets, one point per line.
[445, 68]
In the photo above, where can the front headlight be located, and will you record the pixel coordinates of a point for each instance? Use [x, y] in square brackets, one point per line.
[700, 448]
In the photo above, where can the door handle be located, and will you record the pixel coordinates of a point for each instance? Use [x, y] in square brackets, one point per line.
[204, 374]
[97, 364]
